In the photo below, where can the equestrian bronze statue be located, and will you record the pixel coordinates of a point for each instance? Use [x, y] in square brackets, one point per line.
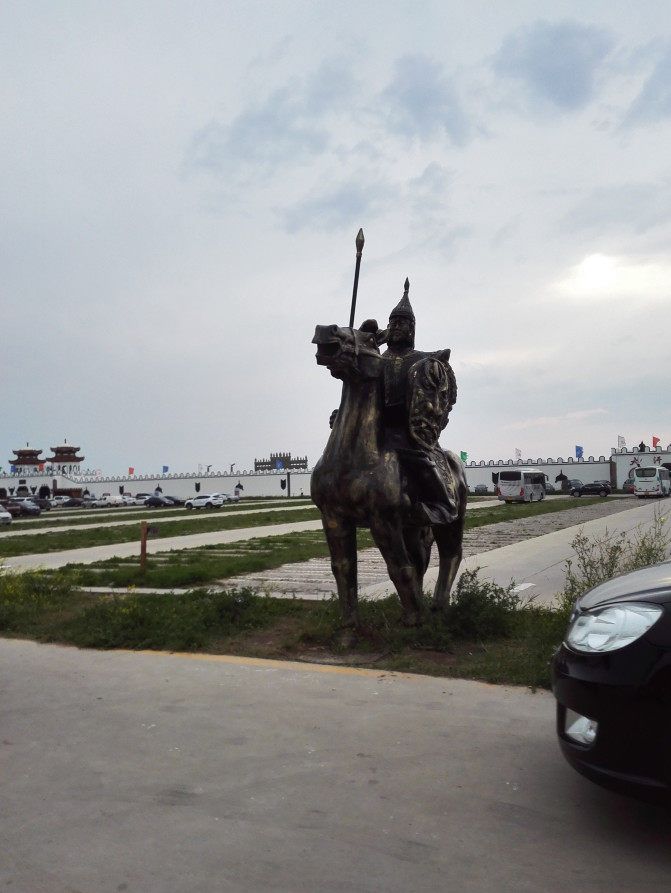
[383, 467]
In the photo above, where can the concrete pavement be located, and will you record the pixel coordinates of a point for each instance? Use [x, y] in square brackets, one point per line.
[538, 565]
[164, 773]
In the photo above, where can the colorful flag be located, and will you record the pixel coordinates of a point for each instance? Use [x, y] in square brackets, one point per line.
[578, 452]
[464, 456]
[518, 453]
[165, 469]
[12, 468]
[621, 442]
[279, 464]
[41, 466]
[655, 441]
[131, 470]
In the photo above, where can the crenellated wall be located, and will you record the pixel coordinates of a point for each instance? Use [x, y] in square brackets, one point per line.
[616, 468]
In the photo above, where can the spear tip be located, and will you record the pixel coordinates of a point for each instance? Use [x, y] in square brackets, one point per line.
[359, 240]
[406, 285]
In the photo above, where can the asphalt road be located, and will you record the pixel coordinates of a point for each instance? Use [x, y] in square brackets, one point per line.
[163, 773]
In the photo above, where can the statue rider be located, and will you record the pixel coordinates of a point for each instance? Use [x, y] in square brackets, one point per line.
[419, 391]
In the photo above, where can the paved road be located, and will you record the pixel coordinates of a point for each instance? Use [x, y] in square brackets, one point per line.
[163, 773]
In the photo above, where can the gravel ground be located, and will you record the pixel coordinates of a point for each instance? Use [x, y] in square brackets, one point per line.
[313, 578]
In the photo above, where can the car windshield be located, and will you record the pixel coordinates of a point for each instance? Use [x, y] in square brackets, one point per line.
[645, 472]
[510, 476]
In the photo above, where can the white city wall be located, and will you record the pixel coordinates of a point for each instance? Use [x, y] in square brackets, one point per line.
[616, 469]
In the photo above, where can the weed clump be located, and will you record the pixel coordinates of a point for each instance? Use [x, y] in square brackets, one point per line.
[600, 559]
[480, 609]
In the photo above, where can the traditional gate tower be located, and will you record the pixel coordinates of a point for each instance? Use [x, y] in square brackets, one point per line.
[27, 460]
[65, 459]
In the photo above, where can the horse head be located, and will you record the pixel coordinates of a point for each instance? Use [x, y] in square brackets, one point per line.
[349, 353]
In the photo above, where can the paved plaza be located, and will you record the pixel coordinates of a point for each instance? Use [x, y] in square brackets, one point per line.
[162, 773]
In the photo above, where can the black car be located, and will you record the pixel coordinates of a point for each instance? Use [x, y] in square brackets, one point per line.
[612, 681]
[596, 488]
[157, 502]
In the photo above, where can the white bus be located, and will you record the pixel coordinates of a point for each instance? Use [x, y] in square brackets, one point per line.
[654, 481]
[521, 485]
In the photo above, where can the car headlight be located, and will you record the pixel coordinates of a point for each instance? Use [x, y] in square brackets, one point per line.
[611, 628]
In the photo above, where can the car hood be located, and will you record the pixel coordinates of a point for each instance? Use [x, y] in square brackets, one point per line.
[650, 584]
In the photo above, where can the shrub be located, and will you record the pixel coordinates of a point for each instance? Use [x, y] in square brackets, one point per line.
[480, 609]
[600, 559]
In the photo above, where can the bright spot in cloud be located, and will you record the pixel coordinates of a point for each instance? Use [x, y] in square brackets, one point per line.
[602, 276]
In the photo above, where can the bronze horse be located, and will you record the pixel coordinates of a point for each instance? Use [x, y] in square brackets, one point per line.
[359, 483]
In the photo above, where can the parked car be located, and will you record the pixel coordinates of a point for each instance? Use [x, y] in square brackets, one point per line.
[175, 500]
[596, 488]
[59, 500]
[13, 508]
[157, 502]
[550, 488]
[210, 501]
[480, 488]
[25, 506]
[628, 486]
[73, 502]
[611, 682]
[140, 498]
[107, 500]
[5, 516]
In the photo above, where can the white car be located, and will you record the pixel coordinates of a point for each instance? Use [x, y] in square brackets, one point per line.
[107, 500]
[210, 501]
[5, 517]
[57, 501]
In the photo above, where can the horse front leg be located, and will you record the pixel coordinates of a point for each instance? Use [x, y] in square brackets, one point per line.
[341, 540]
[388, 535]
[449, 541]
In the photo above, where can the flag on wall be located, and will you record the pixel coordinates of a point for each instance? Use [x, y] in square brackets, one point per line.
[464, 456]
[655, 441]
[621, 442]
[41, 466]
[12, 468]
[131, 470]
[165, 469]
[578, 452]
[518, 453]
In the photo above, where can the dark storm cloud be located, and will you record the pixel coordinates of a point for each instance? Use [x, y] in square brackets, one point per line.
[338, 207]
[556, 61]
[287, 125]
[653, 103]
[422, 102]
[632, 207]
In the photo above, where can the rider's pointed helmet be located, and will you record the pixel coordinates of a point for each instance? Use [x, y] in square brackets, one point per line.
[403, 308]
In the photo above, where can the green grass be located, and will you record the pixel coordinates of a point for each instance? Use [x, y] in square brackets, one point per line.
[191, 567]
[486, 633]
[101, 516]
[100, 536]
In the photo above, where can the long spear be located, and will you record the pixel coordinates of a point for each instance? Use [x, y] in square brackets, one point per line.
[359, 248]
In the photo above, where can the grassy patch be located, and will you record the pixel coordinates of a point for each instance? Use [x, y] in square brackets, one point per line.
[101, 536]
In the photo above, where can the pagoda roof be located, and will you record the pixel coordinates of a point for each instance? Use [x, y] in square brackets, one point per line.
[27, 452]
[64, 448]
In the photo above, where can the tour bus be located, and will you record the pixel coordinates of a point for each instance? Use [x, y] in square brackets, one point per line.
[521, 485]
[655, 481]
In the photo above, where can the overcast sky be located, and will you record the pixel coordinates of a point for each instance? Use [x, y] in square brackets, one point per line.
[182, 184]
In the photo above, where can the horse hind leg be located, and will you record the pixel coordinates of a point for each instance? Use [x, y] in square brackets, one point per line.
[449, 541]
[341, 541]
[388, 536]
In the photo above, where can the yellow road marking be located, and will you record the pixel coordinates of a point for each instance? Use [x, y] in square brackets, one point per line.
[269, 664]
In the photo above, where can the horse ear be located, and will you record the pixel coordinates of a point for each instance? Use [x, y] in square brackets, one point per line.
[381, 336]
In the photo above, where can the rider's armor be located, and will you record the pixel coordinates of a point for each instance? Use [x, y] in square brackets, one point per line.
[419, 392]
